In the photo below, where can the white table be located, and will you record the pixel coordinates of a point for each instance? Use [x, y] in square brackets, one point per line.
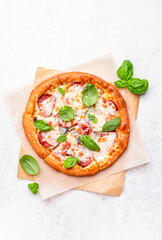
[60, 34]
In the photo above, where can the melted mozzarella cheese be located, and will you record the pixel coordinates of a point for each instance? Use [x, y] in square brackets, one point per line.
[102, 111]
[59, 101]
[47, 106]
[51, 137]
[50, 120]
[73, 98]
[77, 149]
[105, 143]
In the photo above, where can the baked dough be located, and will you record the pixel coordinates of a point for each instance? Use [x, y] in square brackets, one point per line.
[44, 103]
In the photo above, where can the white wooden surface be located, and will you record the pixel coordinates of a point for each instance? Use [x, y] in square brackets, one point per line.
[59, 34]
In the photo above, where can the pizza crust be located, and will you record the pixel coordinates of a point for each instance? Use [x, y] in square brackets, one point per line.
[115, 151]
[123, 130]
[32, 135]
[76, 170]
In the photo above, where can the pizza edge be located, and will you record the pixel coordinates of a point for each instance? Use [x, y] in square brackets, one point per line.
[32, 133]
[95, 166]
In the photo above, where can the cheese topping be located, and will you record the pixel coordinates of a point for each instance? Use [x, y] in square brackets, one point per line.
[46, 106]
[105, 143]
[75, 149]
[50, 137]
[104, 109]
[71, 98]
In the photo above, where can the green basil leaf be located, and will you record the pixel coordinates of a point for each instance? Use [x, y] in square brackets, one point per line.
[135, 82]
[29, 164]
[33, 187]
[61, 90]
[89, 95]
[61, 138]
[125, 71]
[70, 161]
[89, 143]
[42, 125]
[121, 83]
[140, 90]
[66, 113]
[92, 118]
[111, 125]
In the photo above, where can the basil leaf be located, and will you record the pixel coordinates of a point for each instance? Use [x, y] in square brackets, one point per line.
[33, 187]
[42, 125]
[61, 90]
[70, 161]
[66, 113]
[135, 82]
[111, 125]
[89, 95]
[125, 71]
[140, 90]
[121, 83]
[89, 143]
[92, 118]
[29, 164]
[61, 138]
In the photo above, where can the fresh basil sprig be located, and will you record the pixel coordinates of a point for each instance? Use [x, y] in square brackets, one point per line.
[140, 89]
[42, 125]
[29, 164]
[135, 85]
[125, 71]
[70, 161]
[89, 95]
[92, 118]
[61, 90]
[111, 125]
[33, 187]
[61, 138]
[121, 83]
[89, 143]
[66, 113]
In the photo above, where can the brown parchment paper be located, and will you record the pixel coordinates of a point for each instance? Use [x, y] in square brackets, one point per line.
[52, 182]
[111, 185]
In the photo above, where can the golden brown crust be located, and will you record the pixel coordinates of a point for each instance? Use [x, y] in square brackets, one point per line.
[113, 94]
[32, 136]
[115, 152]
[76, 170]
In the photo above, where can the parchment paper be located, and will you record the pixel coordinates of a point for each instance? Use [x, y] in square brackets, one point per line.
[52, 182]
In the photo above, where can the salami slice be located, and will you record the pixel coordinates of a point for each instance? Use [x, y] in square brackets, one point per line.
[65, 146]
[84, 127]
[48, 139]
[86, 163]
[46, 104]
[109, 103]
[107, 139]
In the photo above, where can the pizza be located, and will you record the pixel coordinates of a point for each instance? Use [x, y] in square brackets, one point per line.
[77, 123]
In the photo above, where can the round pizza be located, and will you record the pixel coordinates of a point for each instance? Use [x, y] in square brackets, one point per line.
[77, 122]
